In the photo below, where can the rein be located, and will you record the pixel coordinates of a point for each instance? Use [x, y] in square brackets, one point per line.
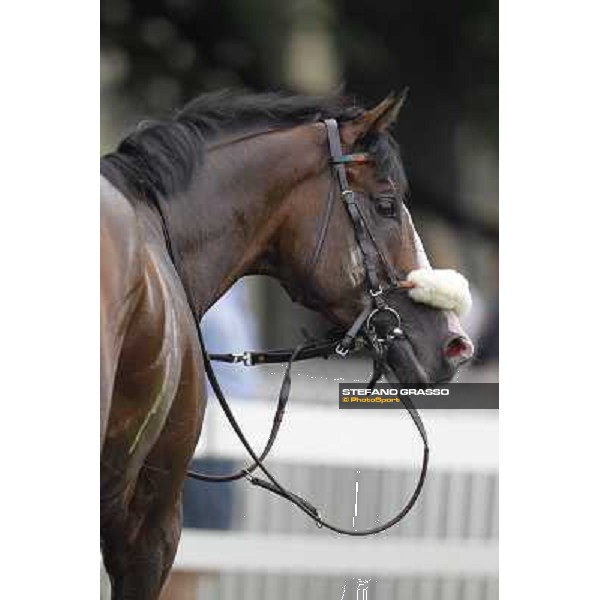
[369, 330]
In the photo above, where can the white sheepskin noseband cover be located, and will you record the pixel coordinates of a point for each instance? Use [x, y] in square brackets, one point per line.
[441, 288]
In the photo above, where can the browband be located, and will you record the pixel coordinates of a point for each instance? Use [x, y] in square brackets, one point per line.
[358, 157]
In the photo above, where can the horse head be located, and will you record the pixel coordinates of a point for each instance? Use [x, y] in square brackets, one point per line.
[329, 268]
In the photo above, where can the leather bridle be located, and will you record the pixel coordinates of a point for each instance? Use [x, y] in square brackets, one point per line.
[376, 328]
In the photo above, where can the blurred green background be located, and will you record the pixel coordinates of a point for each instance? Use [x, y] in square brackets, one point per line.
[157, 54]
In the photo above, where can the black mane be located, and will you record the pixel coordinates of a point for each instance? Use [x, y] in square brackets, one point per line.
[159, 158]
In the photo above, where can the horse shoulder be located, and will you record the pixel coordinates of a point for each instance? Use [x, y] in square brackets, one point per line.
[158, 344]
[121, 275]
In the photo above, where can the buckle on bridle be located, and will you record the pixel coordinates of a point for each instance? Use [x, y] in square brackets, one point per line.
[377, 292]
[243, 357]
[341, 351]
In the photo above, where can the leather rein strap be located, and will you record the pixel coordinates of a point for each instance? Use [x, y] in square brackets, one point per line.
[356, 335]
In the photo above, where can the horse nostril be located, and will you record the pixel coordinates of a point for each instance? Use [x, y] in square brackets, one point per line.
[458, 350]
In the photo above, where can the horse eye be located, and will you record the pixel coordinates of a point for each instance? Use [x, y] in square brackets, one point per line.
[386, 207]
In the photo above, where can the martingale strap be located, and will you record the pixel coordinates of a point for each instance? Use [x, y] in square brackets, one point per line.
[272, 485]
[249, 359]
[284, 394]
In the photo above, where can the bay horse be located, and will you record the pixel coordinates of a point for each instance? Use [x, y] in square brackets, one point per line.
[234, 184]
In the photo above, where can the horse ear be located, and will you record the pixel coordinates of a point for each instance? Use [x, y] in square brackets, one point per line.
[378, 119]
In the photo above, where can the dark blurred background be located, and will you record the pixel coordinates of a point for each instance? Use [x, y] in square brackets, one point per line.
[157, 54]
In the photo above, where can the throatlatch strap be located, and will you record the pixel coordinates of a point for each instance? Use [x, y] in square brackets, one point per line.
[324, 227]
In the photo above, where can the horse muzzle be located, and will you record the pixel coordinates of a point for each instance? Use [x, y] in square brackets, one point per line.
[402, 360]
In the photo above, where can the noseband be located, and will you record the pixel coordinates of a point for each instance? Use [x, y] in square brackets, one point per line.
[369, 331]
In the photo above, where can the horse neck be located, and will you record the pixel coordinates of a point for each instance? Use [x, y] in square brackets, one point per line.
[226, 223]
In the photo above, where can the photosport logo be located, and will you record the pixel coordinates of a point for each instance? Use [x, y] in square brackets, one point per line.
[391, 396]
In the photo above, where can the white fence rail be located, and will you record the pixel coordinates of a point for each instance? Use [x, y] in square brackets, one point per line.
[315, 435]
[452, 533]
[309, 555]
